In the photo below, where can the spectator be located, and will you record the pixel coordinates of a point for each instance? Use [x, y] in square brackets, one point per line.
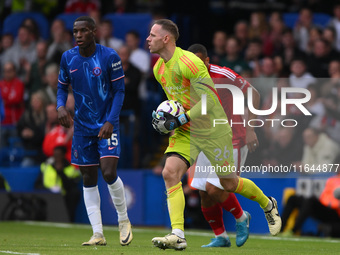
[82, 6]
[335, 23]
[140, 59]
[6, 43]
[288, 50]
[273, 42]
[33, 26]
[59, 42]
[241, 31]
[258, 26]
[299, 77]
[315, 34]
[233, 60]
[22, 53]
[329, 122]
[106, 36]
[56, 135]
[314, 104]
[332, 84]
[302, 27]
[320, 58]
[132, 81]
[58, 176]
[217, 53]
[35, 79]
[326, 209]
[318, 149]
[266, 78]
[253, 53]
[329, 34]
[12, 91]
[284, 150]
[51, 76]
[31, 129]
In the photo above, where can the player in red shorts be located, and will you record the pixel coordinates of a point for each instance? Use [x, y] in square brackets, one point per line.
[213, 196]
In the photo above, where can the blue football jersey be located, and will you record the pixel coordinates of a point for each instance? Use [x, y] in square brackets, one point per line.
[98, 88]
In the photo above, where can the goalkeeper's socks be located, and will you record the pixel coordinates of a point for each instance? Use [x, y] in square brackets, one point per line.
[178, 232]
[117, 193]
[92, 204]
[176, 205]
[250, 190]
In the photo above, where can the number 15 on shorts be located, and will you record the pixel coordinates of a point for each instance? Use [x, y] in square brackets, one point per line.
[112, 142]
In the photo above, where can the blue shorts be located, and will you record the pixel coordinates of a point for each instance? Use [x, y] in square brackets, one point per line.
[87, 150]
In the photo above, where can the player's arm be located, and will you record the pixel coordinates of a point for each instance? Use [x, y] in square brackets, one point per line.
[63, 81]
[251, 137]
[202, 84]
[118, 93]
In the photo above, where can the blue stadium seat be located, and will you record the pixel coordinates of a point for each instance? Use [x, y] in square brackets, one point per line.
[320, 19]
[69, 19]
[123, 23]
[14, 20]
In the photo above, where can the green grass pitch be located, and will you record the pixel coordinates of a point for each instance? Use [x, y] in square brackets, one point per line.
[39, 238]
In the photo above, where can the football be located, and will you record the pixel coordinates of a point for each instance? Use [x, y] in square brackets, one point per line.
[170, 106]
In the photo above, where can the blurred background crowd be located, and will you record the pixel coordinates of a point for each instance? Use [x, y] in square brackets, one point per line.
[271, 43]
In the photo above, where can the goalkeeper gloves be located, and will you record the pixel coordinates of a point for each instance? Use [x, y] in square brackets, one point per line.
[167, 122]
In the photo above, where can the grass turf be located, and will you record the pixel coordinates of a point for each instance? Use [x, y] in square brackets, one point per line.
[38, 238]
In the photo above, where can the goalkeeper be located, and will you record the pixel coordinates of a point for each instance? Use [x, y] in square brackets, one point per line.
[185, 78]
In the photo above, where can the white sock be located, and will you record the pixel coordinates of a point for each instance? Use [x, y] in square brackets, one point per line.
[242, 218]
[178, 232]
[269, 206]
[224, 235]
[117, 193]
[92, 204]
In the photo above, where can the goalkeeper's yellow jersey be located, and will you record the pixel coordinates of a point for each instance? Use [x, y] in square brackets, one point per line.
[185, 78]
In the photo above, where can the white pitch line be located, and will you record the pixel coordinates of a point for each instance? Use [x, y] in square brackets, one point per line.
[190, 233]
[13, 252]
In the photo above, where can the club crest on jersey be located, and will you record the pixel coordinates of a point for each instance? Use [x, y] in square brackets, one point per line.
[97, 71]
[75, 153]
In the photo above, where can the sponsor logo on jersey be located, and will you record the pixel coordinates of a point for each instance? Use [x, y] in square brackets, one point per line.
[97, 71]
[116, 66]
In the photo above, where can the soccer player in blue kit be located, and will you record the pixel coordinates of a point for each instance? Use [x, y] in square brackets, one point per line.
[97, 79]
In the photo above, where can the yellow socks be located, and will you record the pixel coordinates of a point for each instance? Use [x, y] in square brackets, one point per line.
[248, 189]
[176, 204]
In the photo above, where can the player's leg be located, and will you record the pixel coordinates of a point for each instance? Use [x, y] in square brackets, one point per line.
[176, 165]
[109, 150]
[85, 155]
[92, 204]
[213, 214]
[212, 211]
[229, 202]
[226, 171]
[250, 190]
[174, 169]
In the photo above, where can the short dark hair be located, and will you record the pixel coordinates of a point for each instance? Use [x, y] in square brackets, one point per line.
[198, 48]
[169, 26]
[134, 33]
[88, 19]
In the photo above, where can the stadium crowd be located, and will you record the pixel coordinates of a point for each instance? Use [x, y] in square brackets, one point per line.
[261, 48]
